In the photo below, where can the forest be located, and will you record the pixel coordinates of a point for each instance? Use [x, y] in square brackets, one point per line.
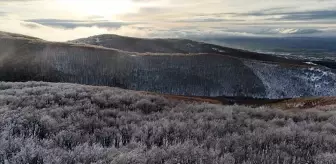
[241, 74]
[60, 123]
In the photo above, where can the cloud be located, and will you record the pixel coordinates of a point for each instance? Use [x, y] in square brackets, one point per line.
[17, 0]
[294, 31]
[310, 15]
[144, 0]
[30, 25]
[292, 15]
[64, 34]
[2, 13]
[208, 19]
[71, 24]
[147, 31]
[172, 18]
[148, 11]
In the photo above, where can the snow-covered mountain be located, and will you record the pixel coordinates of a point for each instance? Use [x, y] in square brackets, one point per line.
[171, 68]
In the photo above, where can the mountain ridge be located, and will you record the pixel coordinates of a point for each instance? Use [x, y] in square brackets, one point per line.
[173, 45]
[188, 74]
[132, 44]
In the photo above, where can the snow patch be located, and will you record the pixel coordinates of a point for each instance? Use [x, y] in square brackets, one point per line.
[316, 74]
[310, 63]
[190, 45]
[97, 40]
[218, 50]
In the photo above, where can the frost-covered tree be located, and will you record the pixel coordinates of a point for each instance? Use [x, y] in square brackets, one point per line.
[55, 123]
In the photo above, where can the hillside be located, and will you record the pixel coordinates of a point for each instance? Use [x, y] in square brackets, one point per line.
[70, 123]
[158, 45]
[12, 35]
[190, 74]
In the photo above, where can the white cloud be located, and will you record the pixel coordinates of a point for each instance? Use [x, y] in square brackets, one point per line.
[168, 18]
[152, 31]
[50, 33]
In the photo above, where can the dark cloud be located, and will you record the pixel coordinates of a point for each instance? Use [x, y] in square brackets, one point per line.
[70, 24]
[30, 25]
[310, 15]
[289, 15]
[265, 12]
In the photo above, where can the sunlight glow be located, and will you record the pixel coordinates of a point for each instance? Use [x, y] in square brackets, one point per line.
[97, 7]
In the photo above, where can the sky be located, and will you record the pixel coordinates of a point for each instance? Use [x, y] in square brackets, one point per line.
[63, 20]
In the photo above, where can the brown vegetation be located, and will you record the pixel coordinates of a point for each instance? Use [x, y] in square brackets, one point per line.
[305, 103]
[294, 103]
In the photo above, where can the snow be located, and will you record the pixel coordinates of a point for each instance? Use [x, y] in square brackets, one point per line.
[97, 40]
[283, 82]
[190, 45]
[216, 49]
[310, 63]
